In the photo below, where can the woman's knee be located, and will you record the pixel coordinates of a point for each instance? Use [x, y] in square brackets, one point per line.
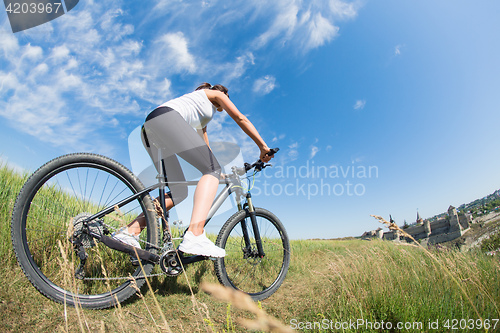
[213, 168]
[214, 172]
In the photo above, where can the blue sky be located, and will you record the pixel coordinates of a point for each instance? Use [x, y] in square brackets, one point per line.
[405, 89]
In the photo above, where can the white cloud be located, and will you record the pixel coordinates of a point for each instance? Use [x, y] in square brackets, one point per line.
[234, 70]
[359, 105]
[320, 32]
[305, 25]
[8, 81]
[278, 138]
[293, 152]
[60, 52]
[96, 67]
[314, 151]
[32, 52]
[9, 44]
[252, 27]
[397, 49]
[65, 90]
[284, 23]
[343, 9]
[174, 48]
[264, 85]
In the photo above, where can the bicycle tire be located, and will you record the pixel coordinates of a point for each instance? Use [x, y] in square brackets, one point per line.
[258, 277]
[44, 211]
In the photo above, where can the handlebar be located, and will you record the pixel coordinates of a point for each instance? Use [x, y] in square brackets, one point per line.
[259, 165]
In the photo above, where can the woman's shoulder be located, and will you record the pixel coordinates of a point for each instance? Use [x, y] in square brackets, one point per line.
[212, 94]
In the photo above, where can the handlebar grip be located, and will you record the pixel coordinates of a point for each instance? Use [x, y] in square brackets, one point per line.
[273, 151]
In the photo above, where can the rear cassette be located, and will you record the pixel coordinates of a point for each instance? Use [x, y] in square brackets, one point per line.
[80, 230]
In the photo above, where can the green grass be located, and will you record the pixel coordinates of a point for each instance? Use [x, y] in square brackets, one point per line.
[328, 282]
[10, 185]
[51, 213]
[492, 243]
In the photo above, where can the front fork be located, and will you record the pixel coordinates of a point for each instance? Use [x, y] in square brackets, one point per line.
[250, 211]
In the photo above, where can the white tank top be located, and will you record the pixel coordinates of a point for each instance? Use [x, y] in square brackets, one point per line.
[194, 107]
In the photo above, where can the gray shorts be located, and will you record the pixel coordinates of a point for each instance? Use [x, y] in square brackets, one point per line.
[166, 135]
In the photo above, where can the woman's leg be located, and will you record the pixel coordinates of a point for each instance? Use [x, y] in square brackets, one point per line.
[204, 196]
[170, 133]
[172, 169]
[135, 227]
[178, 192]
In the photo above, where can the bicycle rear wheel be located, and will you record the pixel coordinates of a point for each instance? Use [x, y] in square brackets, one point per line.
[241, 268]
[49, 210]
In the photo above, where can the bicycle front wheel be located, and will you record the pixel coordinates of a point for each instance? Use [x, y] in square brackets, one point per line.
[49, 215]
[242, 268]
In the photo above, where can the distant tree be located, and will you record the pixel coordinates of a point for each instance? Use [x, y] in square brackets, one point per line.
[490, 206]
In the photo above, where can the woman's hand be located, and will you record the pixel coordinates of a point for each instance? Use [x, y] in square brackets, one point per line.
[263, 154]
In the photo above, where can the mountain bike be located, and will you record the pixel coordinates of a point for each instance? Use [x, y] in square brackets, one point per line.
[65, 214]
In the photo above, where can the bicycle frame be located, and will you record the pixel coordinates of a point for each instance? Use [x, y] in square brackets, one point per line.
[232, 185]
[76, 200]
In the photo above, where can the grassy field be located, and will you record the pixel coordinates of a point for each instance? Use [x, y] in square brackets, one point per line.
[345, 286]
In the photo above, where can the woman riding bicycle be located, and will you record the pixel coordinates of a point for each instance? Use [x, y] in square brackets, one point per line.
[168, 133]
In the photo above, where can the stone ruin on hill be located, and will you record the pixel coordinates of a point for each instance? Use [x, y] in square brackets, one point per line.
[442, 230]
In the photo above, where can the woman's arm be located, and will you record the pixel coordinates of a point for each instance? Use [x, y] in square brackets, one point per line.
[218, 98]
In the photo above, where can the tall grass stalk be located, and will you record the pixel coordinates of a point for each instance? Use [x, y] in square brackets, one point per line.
[328, 279]
[69, 276]
[164, 319]
[394, 226]
[379, 280]
[263, 321]
[10, 185]
[194, 301]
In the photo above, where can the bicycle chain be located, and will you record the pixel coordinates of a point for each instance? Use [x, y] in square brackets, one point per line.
[124, 278]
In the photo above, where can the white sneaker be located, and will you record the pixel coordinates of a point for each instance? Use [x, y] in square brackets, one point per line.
[125, 237]
[200, 245]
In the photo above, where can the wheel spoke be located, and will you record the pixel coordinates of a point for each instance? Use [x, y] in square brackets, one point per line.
[260, 277]
[72, 188]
